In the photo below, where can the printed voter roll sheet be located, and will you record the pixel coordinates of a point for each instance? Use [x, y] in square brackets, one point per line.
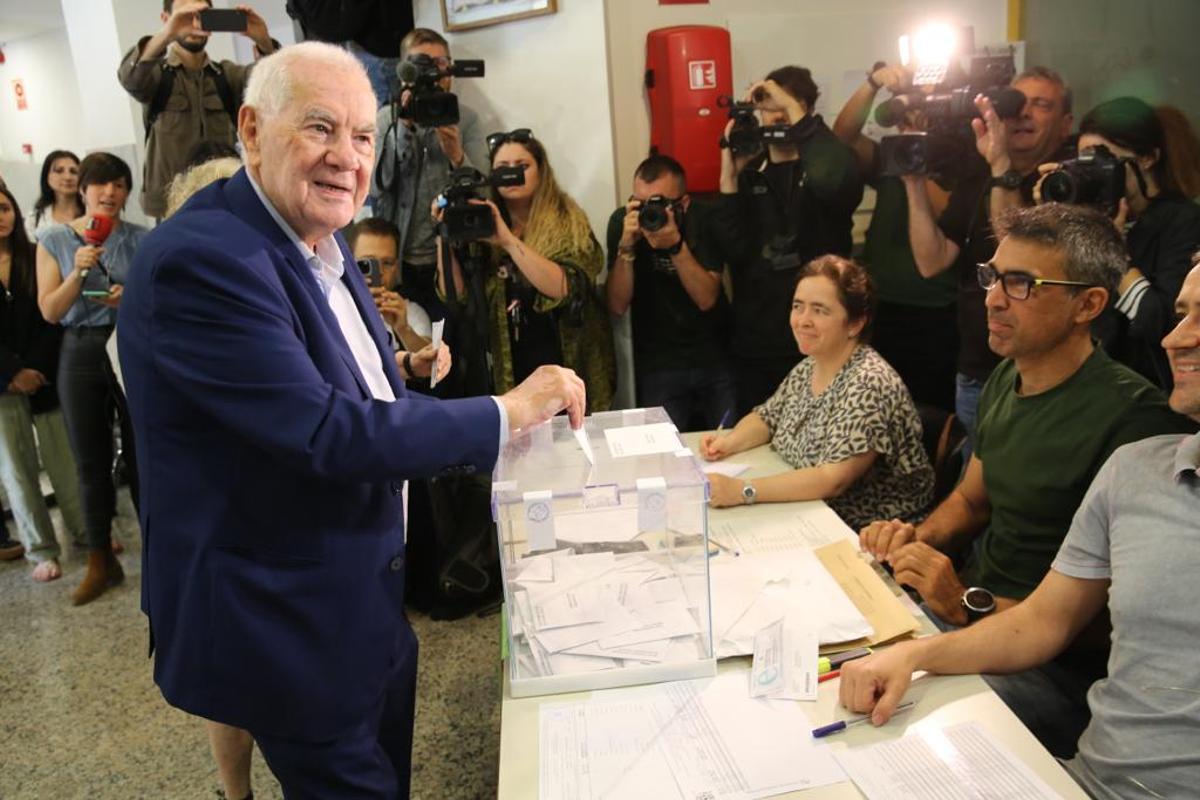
[688, 739]
[797, 526]
[964, 761]
[643, 440]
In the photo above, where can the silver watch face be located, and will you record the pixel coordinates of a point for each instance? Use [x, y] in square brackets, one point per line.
[748, 492]
[979, 600]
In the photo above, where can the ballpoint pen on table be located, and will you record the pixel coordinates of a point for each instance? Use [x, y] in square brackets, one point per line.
[842, 724]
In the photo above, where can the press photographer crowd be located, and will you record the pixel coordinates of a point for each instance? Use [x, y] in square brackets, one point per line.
[349, 303]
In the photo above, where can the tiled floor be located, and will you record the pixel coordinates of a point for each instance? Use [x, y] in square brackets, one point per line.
[80, 716]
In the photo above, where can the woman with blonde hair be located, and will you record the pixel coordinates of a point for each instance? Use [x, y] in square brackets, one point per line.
[543, 262]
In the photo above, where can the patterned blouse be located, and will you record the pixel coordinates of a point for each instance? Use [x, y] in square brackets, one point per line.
[866, 407]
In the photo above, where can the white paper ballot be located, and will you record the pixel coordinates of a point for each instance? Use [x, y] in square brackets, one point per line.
[960, 761]
[584, 445]
[785, 661]
[756, 589]
[438, 327]
[642, 440]
[576, 607]
[730, 469]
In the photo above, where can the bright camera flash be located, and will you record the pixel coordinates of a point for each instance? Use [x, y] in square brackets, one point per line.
[934, 44]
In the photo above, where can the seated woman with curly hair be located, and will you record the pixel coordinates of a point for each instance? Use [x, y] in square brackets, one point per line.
[841, 418]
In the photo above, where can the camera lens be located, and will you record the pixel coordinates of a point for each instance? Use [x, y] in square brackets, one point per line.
[1059, 187]
[652, 217]
[910, 156]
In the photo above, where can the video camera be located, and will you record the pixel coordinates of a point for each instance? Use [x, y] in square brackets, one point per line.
[945, 96]
[747, 136]
[429, 105]
[1095, 178]
[462, 220]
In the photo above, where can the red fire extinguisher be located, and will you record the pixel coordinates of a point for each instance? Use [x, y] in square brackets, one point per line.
[687, 68]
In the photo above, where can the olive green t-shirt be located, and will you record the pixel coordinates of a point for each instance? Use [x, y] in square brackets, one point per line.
[1040, 454]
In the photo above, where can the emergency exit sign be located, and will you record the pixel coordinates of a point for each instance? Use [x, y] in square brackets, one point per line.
[702, 74]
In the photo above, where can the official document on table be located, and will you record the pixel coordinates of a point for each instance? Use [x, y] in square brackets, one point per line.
[703, 738]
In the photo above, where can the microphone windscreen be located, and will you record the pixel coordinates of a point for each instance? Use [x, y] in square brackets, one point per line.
[889, 113]
[98, 229]
[407, 72]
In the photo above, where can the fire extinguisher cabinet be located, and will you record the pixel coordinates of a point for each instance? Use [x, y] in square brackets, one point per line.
[687, 68]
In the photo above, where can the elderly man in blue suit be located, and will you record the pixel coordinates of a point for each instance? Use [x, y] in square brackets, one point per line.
[273, 433]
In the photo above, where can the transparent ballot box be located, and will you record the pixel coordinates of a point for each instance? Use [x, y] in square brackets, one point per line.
[604, 564]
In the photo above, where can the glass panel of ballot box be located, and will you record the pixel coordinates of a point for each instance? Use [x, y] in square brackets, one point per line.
[604, 555]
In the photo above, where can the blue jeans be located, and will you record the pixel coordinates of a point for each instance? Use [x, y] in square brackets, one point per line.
[1050, 700]
[705, 394]
[966, 408]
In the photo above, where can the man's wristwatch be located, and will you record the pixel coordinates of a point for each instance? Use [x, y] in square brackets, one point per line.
[749, 493]
[672, 250]
[1010, 180]
[978, 603]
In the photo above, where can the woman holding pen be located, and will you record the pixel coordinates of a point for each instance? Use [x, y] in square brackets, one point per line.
[841, 418]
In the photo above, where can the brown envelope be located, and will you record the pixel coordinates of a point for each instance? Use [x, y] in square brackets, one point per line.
[874, 598]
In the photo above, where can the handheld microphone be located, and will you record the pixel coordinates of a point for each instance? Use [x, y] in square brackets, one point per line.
[98, 229]
[95, 233]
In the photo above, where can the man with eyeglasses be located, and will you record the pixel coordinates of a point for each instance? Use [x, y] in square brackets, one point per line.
[961, 236]
[1135, 545]
[1049, 416]
[413, 166]
[663, 266]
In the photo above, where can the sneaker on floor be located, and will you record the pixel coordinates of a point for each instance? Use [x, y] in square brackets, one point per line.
[10, 549]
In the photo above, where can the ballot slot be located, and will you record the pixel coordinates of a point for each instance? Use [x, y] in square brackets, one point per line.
[604, 557]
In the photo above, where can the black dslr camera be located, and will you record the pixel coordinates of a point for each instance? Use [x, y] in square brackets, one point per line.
[1095, 178]
[747, 136]
[656, 211]
[462, 220]
[429, 105]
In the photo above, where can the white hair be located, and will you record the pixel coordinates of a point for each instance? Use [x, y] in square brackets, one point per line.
[270, 86]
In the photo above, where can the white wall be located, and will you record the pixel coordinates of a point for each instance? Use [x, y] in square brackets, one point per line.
[837, 41]
[54, 119]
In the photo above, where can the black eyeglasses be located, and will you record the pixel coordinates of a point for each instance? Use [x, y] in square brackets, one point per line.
[520, 136]
[1017, 285]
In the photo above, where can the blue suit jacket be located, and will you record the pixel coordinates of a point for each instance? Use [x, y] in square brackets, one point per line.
[270, 509]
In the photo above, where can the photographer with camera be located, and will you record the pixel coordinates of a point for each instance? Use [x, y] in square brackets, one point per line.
[781, 205]
[1010, 151]
[533, 284]
[916, 328]
[187, 97]
[416, 154]
[657, 245]
[1141, 166]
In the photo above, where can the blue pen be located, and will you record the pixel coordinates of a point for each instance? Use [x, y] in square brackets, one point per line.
[724, 420]
[841, 725]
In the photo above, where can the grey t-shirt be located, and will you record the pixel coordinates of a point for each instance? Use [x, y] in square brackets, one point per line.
[1139, 527]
